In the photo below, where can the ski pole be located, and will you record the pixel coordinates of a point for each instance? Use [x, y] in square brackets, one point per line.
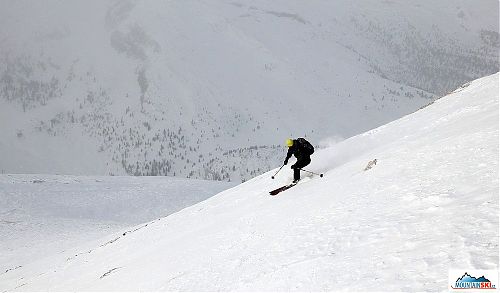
[320, 175]
[272, 177]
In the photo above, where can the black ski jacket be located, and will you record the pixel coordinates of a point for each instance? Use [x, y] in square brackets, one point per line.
[297, 149]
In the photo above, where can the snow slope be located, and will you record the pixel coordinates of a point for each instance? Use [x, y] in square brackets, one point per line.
[210, 89]
[430, 204]
[45, 214]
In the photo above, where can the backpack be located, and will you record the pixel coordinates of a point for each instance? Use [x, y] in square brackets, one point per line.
[306, 146]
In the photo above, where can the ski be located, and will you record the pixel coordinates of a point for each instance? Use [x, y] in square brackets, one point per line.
[282, 188]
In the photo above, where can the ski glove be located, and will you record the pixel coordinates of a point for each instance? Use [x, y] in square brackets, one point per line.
[292, 166]
[285, 162]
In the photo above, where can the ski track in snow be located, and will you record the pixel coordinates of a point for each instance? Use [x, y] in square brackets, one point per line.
[430, 204]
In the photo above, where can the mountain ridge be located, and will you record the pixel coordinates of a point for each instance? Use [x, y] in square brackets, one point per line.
[148, 93]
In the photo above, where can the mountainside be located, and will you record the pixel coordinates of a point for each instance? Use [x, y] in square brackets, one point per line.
[428, 205]
[210, 89]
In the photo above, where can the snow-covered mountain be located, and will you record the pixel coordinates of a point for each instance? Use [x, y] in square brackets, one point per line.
[42, 215]
[430, 204]
[210, 89]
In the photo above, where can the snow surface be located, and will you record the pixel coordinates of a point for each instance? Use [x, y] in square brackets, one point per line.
[430, 204]
[45, 214]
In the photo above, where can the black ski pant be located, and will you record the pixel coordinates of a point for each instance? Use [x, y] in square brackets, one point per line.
[301, 163]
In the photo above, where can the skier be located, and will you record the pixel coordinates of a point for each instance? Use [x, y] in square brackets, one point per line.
[302, 150]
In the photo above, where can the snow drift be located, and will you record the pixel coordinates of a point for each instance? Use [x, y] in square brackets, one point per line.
[430, 204]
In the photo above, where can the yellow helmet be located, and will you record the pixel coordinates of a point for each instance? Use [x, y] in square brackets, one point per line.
[289, 142]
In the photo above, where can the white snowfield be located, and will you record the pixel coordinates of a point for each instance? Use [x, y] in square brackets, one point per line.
[42, 215]
[430, 204]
